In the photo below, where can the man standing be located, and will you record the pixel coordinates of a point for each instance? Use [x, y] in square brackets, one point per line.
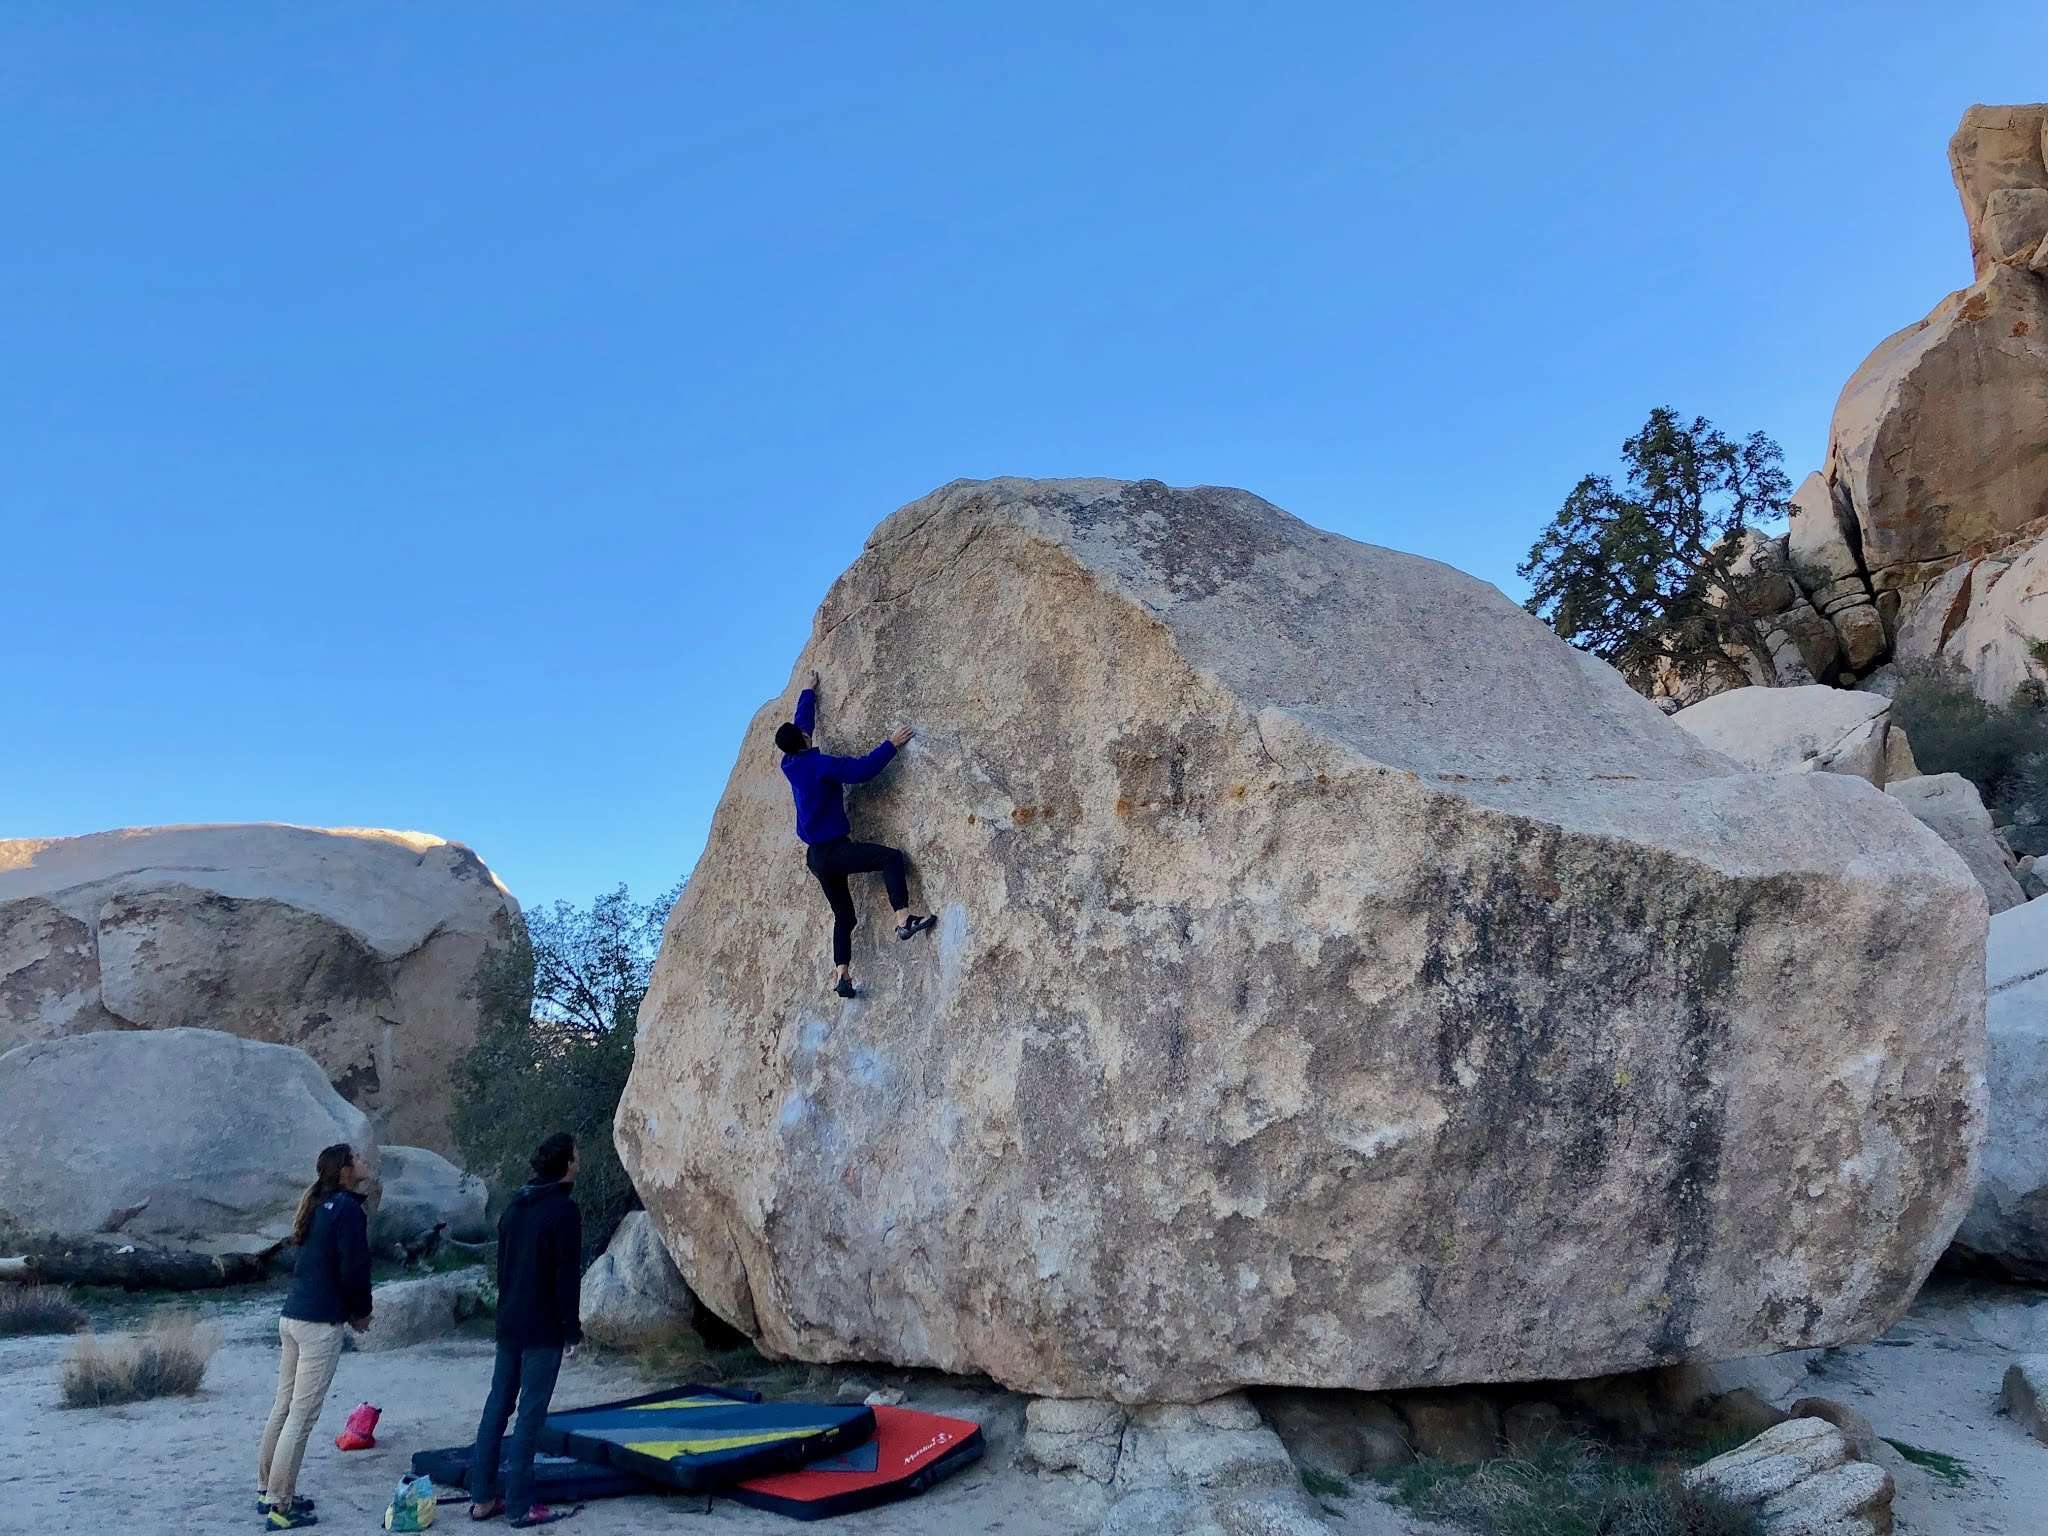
[540, 1255]
[818, 781]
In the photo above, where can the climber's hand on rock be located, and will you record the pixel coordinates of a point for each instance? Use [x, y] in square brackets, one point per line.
[901, 739]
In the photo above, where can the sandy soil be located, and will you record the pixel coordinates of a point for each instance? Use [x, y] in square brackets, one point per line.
[1932, 1383]
[187, 1465]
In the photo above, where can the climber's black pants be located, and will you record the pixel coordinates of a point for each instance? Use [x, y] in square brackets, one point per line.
[833, 862]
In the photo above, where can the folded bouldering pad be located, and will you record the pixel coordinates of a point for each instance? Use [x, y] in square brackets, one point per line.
[908, 1452]
[700, 1438]
[556, 1479]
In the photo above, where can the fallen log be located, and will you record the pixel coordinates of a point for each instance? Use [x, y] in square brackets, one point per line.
[132, 1266]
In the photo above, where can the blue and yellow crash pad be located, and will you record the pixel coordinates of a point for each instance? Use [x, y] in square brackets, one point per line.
[556, 1479]
[702, 1438]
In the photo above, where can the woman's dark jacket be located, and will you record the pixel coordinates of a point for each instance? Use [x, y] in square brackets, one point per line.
[331, 1281]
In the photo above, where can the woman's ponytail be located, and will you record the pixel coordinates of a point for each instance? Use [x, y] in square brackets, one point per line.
[326, 1181]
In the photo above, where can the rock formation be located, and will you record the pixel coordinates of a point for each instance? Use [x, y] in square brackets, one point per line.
[421, 1190]
[1803, 729]
[1921, 536]
[1949, 805]
[2023, 1395]
[2007, 1228]
[1813, 729]
[187, 1138]
[1340, 982]
[356, 945]
[633, 1295]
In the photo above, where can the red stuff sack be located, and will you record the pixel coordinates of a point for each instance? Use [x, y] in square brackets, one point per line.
[359, 1433]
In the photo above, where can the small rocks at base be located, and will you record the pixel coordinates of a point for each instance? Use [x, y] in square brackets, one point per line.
[1069, 1434]
[1741, 1413]
[2024, 1396]
[1222, 1443]
[1337, 1434]
[1855, 1428]
[1458, 1427]
[1527, 1427]
[1802, 1479]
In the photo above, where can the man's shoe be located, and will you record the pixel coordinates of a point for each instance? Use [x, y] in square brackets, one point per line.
[282, 1519]
[845, 988]
[300, 1503]
[915, 925]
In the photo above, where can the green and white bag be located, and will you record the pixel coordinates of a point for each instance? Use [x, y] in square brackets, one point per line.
[412, 1507]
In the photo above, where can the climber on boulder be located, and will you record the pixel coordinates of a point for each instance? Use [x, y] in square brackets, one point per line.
[817, 780]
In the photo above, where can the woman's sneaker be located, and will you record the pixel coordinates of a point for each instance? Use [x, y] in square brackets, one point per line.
[915, 925]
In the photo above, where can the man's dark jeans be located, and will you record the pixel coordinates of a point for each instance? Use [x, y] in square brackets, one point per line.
[529, 1375]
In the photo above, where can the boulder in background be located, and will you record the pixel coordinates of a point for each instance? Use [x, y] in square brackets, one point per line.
[357, 946]
[207, 1140]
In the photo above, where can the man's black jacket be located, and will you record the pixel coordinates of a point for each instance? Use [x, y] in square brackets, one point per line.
[331, 1280]
[540, 1256]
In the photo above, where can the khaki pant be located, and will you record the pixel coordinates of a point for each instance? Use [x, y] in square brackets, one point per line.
[306, 1371]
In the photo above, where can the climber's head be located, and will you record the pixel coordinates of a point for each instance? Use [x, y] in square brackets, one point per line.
[790, 739]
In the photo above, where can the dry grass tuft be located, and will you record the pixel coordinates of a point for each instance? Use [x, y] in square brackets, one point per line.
[168, 1358]
[26, 1309]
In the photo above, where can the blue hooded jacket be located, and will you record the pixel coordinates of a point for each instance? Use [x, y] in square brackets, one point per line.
[816, 779]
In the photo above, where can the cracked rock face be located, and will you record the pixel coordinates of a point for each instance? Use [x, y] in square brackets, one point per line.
[354, 945]
[1340, 982]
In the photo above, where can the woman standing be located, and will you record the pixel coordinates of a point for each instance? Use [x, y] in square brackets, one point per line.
[330, 1287]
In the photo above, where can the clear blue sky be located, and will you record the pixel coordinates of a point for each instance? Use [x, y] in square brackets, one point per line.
[449, 415]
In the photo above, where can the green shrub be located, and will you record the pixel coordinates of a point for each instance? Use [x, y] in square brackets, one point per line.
[26, 1309]
[555, 1048]
[1952, 1470]
[2001, 748]
[1567, 1488]
[167, 1359]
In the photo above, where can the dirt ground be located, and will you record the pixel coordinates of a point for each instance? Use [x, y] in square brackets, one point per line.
[188, 1465]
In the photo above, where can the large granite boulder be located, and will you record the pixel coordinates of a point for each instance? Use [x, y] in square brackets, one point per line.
[422, 1190]
[356, 945]
[2007, 1227]
[1335, 972]
[188, 1138]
